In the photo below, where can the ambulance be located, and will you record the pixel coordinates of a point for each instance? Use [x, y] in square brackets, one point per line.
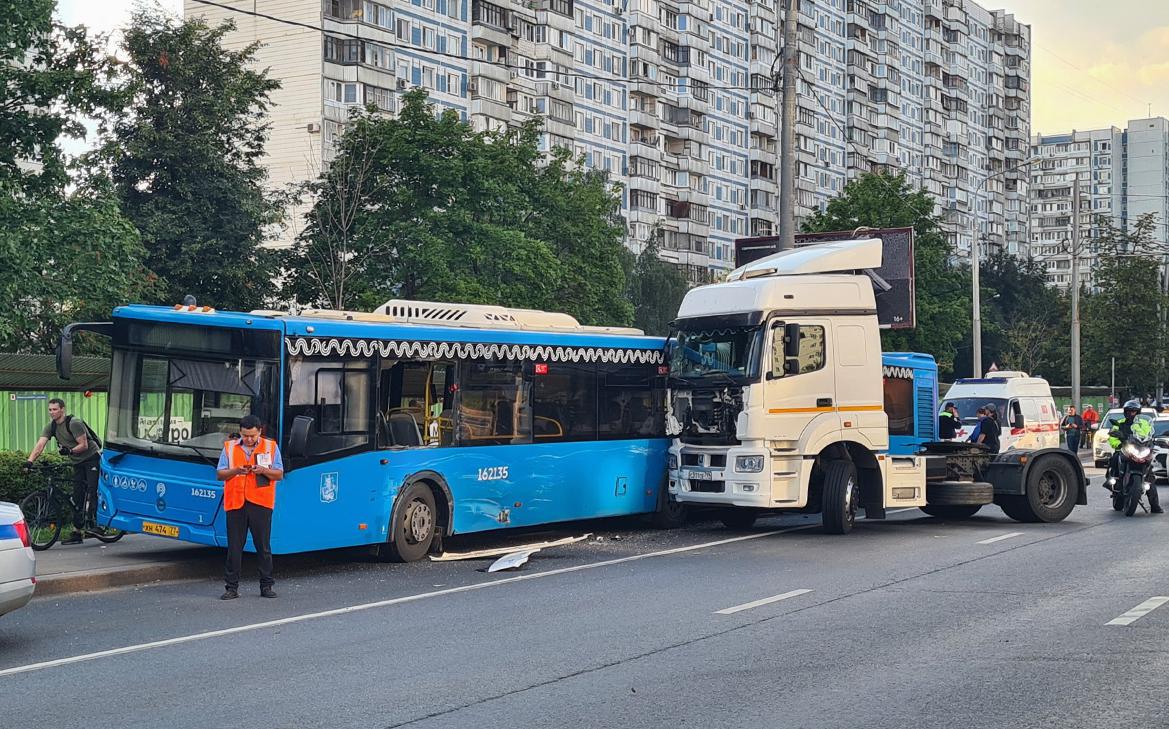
[1027, 413]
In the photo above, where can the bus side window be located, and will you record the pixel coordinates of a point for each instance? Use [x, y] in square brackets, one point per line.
[493, 404]
[900, 406]
[630, 402]
[564, 402]
[336, 394]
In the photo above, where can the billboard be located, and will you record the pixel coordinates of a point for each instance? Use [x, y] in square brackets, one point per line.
[893, 281]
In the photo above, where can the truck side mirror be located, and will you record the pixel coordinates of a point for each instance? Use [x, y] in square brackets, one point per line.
[791, 340]
[1017, 420]
[302, 425]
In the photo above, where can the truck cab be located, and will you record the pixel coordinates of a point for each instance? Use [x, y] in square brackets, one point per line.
[778, 396]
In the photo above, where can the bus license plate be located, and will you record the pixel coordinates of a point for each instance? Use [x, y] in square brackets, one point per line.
[162, 530]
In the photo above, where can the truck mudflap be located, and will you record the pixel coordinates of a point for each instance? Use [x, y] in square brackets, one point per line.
[1009, 472]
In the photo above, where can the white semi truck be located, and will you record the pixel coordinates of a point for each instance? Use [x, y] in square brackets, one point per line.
[777, 404]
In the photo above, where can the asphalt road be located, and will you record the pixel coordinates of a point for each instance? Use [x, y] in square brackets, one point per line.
[909, 622]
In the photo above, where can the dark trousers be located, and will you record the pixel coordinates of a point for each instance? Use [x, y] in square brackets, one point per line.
[1073, 439]
[258, 520]
[85, 490]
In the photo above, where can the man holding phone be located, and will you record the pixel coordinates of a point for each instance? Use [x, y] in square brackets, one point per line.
[249, 467]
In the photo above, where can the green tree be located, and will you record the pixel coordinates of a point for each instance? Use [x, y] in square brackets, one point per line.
[184, 157]
[50, 77]
[656, 289]
[67, 256]
[423, 207]
[884, 200]
[1025, 322]
[1123, 318]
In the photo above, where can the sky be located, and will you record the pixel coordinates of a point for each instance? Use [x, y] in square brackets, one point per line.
[1094, 63]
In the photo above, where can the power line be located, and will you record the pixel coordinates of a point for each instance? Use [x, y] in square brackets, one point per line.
[1088, 73]
[844, 135]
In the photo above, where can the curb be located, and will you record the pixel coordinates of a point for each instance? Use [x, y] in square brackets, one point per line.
[102, 579]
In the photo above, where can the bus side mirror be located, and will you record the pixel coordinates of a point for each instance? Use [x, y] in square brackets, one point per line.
[65, 355]
[1017, 420]
[791, 341]
[302, 425]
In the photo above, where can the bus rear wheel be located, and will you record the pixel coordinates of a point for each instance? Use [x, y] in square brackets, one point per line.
[413, 524]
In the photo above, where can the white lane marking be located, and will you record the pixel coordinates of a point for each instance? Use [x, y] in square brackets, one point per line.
[1000, 538]
[383, 603]
[1139, 611]
[758, 603]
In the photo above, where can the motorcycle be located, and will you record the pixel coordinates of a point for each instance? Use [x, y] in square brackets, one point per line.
[1134, 474]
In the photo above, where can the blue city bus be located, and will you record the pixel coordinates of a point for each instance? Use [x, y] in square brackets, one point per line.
[911, 400]
[397, 428]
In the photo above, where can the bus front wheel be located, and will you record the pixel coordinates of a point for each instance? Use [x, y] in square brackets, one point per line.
[413, 525]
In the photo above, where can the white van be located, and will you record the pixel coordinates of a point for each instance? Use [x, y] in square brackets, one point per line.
[1027, 412]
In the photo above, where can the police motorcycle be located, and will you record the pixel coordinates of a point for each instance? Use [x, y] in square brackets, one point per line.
[1133, 477]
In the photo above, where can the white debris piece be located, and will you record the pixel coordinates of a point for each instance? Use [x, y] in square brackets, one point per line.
[500, 551]
[512, 561]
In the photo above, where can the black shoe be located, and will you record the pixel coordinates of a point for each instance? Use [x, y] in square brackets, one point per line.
[75, 539]
[267, 592]
[1157, 510]
[229, 594]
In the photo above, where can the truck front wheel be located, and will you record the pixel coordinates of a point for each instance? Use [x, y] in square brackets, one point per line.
[841, 497]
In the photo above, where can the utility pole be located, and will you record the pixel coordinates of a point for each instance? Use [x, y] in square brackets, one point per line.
[1076, 292]
[787, 131]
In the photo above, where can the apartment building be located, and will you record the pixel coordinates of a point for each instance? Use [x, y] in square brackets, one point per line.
[676, 99]
[1123, 174]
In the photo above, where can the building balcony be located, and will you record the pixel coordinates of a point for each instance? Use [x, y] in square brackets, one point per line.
[492, 71]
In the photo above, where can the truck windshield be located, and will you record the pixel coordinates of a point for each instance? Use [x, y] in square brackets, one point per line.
[182, 406]
[732, 351]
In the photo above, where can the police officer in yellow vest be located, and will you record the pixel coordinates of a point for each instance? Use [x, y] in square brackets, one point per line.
[249, 468]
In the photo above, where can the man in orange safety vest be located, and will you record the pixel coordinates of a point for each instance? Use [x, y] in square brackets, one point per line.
[249, 467]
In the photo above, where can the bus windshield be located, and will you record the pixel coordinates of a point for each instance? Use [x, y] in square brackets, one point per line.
[733, 351]
[183, 406]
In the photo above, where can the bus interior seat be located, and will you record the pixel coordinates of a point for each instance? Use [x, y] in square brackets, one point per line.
[504, 418]
[404, 430]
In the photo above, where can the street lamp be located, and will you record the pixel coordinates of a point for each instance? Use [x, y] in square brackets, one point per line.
[975, 264]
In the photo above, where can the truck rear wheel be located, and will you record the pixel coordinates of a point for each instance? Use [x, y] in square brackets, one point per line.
[1050, 493]
[952, 512]
[1051, 489]
[841, 497]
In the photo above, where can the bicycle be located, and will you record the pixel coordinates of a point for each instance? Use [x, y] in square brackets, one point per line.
[46, 509]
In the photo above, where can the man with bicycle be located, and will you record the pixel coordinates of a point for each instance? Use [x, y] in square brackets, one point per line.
[73, 440]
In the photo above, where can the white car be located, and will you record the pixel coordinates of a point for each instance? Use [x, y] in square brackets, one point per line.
[1101, 450]
[18, 565]
[1161, 449]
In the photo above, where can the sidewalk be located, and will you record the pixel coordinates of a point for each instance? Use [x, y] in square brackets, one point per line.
[134, 560]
